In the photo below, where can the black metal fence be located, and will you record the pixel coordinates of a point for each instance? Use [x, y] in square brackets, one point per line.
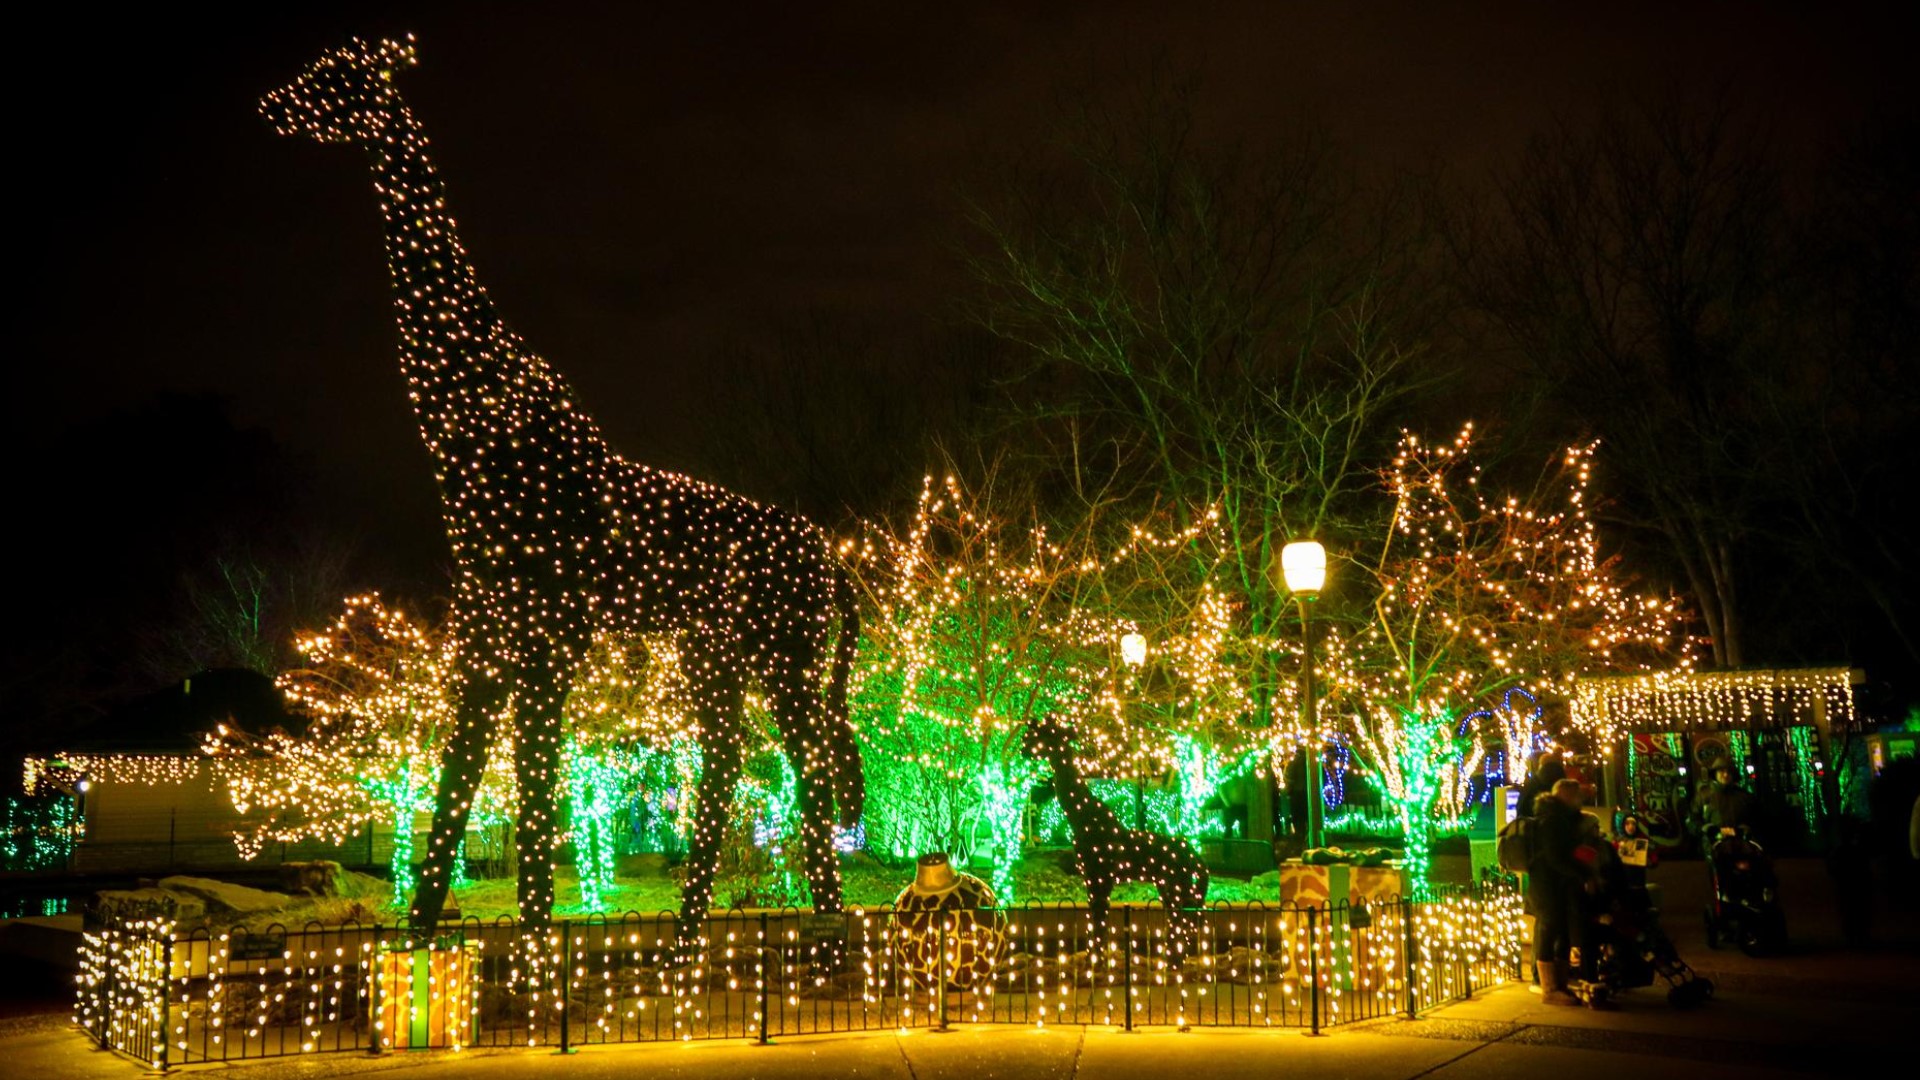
[184, 998]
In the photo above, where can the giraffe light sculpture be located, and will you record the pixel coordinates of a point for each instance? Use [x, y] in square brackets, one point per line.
[558, 540]
[1109, 854]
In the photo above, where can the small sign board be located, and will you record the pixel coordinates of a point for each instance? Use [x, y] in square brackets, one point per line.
[257, 946]
[818, 928]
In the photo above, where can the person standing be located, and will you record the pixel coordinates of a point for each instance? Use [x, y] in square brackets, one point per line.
[1548, 770]
[1732, 803]
[1557, 885]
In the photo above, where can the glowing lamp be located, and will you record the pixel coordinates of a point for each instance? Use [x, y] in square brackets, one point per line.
[1133, 649]
[1304, 563]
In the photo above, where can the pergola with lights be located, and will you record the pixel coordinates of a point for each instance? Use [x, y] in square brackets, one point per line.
[1654, 731]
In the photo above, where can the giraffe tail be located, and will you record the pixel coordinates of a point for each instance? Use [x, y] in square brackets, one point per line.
[849, 777]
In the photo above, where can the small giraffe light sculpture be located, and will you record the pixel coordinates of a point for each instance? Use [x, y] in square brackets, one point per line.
[1109, 854]
[557, 540]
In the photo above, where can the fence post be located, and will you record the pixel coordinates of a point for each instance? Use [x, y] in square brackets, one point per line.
[940, 976]
[376, 1001]
[1126, 971]
[765, 947]
[1413, 1007]
[165, 945]
[104, 1003]
[566, 970]
[1313, 973]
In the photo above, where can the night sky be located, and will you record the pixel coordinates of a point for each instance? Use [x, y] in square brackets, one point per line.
[642, 184]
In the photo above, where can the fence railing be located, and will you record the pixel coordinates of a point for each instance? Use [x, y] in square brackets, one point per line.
[170, 998]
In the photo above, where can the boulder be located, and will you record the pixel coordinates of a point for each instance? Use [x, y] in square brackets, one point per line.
[126, 905]
[222, 898]
[358, 886]
[321, 877]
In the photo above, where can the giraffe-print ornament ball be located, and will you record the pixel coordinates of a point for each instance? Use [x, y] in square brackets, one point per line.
[976, 927]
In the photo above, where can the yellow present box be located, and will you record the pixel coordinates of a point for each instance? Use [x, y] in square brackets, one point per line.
[1309, 885]
[426, 998]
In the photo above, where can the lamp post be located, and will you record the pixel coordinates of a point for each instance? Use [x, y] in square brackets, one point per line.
[1133, 653]
[1304, 564]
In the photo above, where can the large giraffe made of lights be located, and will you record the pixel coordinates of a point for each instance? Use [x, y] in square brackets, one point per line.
[557, 539]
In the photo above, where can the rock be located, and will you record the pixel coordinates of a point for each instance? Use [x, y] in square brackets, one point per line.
[220, 897]
[321, 877]
[125, 905]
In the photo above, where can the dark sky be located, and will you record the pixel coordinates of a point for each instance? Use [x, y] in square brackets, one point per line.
[638, 183]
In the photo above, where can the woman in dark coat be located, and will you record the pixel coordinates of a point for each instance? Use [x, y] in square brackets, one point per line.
[1557, 887]
[1548, 770]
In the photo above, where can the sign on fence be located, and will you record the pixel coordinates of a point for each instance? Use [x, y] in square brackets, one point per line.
[815, 929]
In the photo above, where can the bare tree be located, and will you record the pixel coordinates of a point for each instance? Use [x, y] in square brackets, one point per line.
[833, 416]
[242, 608]
[1846, 413]
[1222, 325]
[1634, 261]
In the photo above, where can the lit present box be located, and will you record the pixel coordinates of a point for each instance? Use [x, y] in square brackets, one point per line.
[426, 997]
[1308, 885]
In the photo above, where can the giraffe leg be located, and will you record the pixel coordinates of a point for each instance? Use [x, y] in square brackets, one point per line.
[717, 704]
[538, 701]
[481, 696]
[1184, 896]
[1099, 902]
[795, 709]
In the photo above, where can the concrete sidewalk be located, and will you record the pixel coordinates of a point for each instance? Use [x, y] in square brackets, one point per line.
[1501, 1032]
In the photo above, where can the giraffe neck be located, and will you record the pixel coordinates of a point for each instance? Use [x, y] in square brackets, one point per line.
[1072, 790]
[469, 376]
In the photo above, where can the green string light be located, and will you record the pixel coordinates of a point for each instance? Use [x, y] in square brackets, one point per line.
[1813, 801]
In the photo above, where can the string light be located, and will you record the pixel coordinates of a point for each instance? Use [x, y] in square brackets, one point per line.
[1609, 707]
[1425, 774]
[1522, 738]
[558, 540]
[75, 771]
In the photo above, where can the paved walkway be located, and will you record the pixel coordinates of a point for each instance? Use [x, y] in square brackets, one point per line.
[1501, 1032]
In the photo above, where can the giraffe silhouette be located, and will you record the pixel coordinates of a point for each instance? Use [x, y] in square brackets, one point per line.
[1109, 854]
[556, 539]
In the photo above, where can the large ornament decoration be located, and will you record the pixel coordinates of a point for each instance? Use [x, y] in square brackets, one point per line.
[560, 542]
[945, 908]
[1107, 854]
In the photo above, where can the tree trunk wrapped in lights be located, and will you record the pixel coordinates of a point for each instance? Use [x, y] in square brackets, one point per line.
[1426, 771]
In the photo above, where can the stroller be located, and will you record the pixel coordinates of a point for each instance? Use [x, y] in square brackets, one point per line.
[1632, 950]
[1743, 908]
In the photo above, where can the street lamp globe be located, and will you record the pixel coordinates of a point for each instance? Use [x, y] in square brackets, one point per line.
[1304, 563]
[1133, 649]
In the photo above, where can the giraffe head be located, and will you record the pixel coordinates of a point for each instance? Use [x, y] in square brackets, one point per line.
[346, 96]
